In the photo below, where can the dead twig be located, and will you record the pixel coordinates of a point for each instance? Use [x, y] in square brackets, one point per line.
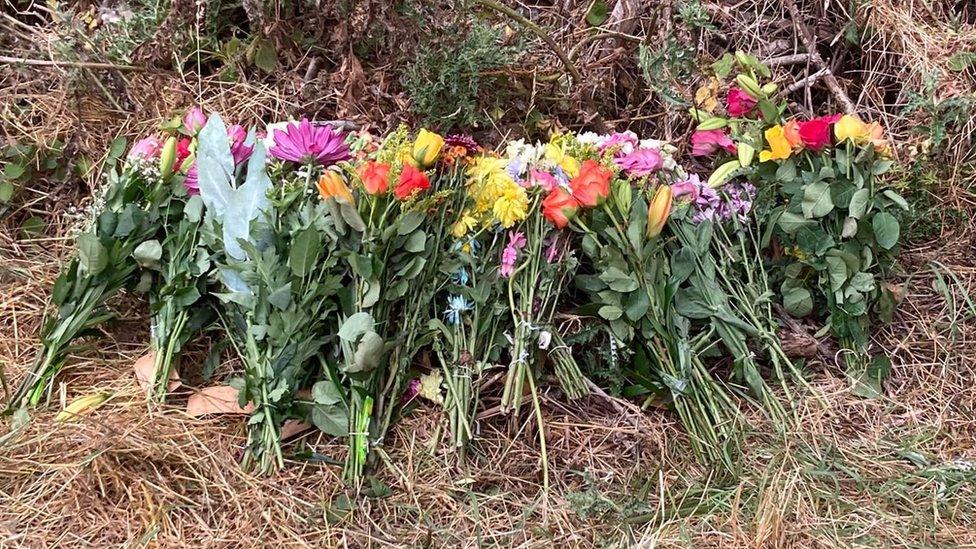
[810, 42]
[76, 64]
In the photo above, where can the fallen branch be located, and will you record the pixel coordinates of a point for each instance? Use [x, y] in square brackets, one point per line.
[794, 59]
[805, 82]
[810, 43]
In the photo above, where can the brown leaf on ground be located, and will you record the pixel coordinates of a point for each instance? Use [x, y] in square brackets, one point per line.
[144, 372]
[221, 399]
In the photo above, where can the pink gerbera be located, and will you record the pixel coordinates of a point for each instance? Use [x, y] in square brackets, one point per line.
[304, 143]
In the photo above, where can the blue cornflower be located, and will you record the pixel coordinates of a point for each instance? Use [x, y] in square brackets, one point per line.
[461, 276]
[456, 304]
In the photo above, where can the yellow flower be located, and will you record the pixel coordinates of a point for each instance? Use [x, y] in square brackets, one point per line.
[427, 147]
[851, 127]
[557, 155]
[464, 224]
[512, 206]
[779, 146]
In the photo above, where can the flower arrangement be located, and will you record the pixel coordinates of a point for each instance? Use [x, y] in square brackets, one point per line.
[352, 274]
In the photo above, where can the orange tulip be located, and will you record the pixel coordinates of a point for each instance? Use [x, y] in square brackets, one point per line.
[332, 185]
[659, 210]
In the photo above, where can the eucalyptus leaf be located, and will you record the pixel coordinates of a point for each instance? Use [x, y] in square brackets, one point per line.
[147, 254]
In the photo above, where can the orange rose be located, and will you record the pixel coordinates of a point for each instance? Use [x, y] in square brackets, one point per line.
[375, 176]
[332, 185]
[412, 181]
[592, 185]
[559, 207]
[791, 131]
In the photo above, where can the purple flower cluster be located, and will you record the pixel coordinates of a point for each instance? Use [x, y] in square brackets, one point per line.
[735, 199]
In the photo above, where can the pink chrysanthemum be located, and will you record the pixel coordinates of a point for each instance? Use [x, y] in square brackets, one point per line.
[304, 143]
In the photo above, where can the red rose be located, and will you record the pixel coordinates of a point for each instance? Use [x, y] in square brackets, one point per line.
[375, 176]
[559, 206]
[412, 181]
[592, 185]
[815, 134]
[738, 102]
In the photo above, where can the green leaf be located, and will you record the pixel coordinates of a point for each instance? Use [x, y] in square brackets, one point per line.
[618, 280]
[598, 14]
[304, 252]
[326, 392]
[265, 55]
[117, 148]
[13, 170]
[281, 297]
[881, 167]
[92, 256]
[148, 253]
[368, 354]
[791, 222]
[859, 203]
[416, 242]
[332, 419]
[6, 191]
[32, 227]
[723, 65]
[836, 272]
[797, 302]
[193, 210]
[896, 199]
[962, 61]
[409, 222]
[816, 200]
[610, 312]
[355, 326]
[886, 230]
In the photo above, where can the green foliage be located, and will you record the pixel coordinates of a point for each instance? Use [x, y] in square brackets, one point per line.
[447, 79]
[673, 59]
[940, 117]
[836, 224]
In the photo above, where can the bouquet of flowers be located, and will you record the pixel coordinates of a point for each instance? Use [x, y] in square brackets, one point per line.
[276, 266]
[111, 247]
[831, 228]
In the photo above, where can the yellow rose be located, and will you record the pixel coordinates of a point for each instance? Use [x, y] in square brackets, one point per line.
[850, 127]
[779, 146]
[426, 148]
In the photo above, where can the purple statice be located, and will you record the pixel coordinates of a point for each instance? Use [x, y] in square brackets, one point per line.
[516, 241]
[735, 200]
[304, 143]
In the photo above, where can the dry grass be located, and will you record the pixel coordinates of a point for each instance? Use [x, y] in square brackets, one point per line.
[895, 471]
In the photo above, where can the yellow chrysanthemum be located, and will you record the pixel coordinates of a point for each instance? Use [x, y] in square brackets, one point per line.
[511, 207]
[463, 225]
